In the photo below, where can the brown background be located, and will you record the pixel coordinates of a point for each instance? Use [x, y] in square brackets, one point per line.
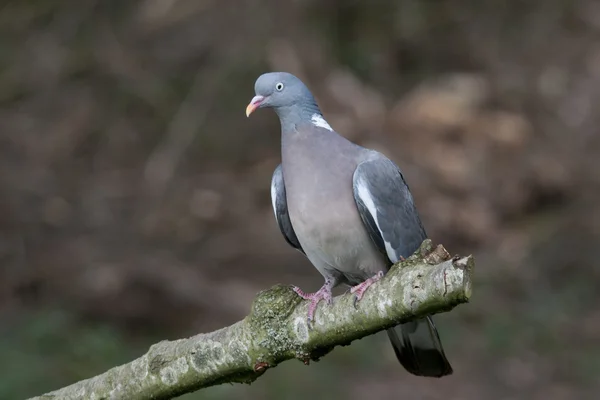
[135, 194]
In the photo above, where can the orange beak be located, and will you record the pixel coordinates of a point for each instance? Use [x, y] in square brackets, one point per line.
[254, 104]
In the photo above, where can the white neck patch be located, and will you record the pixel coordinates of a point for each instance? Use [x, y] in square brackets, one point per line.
[319, 121]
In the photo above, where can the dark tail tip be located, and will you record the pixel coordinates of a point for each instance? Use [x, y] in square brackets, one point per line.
[419, 349]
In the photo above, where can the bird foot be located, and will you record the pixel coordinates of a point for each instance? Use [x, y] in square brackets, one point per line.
[360, 289]
[322, 294]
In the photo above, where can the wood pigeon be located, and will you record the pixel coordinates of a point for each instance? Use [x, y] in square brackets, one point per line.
[345, 207]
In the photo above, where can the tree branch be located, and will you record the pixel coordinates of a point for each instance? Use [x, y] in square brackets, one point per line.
[276, 330]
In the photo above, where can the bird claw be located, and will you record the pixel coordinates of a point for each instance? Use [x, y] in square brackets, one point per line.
[360, 289]
[315, 298]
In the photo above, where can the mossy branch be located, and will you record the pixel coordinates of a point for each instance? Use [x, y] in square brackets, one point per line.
[276, 330]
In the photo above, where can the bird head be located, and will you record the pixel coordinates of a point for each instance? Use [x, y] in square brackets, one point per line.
[278, 90]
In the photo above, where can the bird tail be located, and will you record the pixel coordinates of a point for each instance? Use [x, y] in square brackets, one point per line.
[419, 349]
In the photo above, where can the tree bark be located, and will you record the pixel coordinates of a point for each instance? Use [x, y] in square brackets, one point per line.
[428, 282]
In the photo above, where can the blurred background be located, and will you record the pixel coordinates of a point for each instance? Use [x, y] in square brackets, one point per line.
[135, 199]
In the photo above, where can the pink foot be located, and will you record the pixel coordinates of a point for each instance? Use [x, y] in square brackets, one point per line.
[322, 294]
[360, 289]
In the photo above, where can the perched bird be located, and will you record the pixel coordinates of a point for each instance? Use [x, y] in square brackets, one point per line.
[347, 208]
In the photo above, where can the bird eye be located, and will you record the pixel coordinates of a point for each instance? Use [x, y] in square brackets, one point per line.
[279, 87]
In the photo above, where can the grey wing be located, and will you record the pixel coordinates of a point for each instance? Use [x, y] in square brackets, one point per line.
[389, 214]
[278, 197]
[387, 209]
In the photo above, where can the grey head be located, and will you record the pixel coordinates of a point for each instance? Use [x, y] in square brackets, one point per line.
[287, 95]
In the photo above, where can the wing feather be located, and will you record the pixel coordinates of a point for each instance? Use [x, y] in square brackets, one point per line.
[389, 214]
[387, 208]
[279, 200]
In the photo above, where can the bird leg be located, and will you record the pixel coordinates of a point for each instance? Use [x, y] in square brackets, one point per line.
[360, 289]
[322, 294]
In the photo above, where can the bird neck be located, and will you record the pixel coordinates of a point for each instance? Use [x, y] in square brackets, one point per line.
[292, 116]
